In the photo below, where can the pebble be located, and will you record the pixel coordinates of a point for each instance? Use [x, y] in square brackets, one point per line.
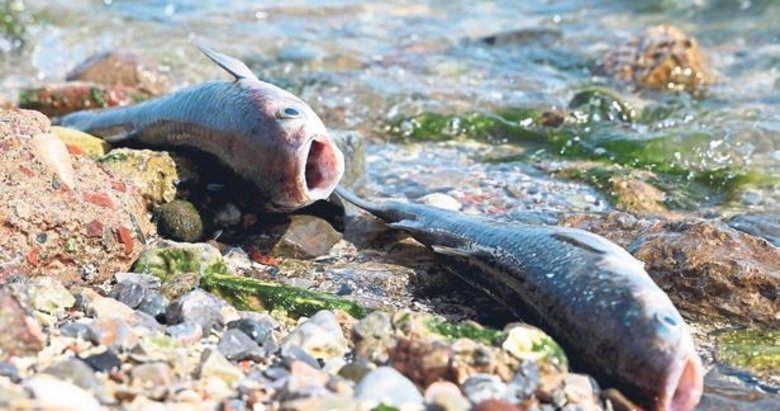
[106, 361]
[48, 295]
[446, 396]
[304, 381]
[78, 373]
[320, 336]
[185, 333]
[10, 371]
[154, 304]
[78, 330]
[19, 334]
[440, 200]
[227, 216]
[129, 293]
[103, 308]
[235, 345]
[524, 383]
[306, 237]
[215, 365]
[356, 370]
[483, 387]
[198, 307]
[259, 332]
[114, 332]
[149, 281]
[150, 375]
[54, 394]
[387, 386]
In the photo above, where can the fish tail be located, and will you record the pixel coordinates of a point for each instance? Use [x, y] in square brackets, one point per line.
[112, 124]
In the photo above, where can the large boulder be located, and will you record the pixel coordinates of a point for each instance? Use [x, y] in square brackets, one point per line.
[62, 215]
[708, 268]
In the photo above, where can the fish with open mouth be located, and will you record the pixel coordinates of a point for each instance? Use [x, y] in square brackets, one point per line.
[588, 293]
[263, 133]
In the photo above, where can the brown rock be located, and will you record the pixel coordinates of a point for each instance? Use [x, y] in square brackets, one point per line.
[19, 334]
[64, 98]
[706, 267]
[82, 229]
[306, 237]
[423, 362]
[663, 58]
[637, 196]
[496, 405]
[122, 68]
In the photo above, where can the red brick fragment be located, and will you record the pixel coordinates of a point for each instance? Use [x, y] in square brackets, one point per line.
[74, 150]
[26, 170]
[119, 186]
[259, 257]
[32, 257]
[95, 229]
[125, 237]
[99, 199]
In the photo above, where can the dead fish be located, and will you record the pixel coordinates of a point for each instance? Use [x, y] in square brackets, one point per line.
[587, 292]
[262, 132]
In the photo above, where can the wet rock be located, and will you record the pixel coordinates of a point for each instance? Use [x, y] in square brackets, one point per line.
[153, 172]
[106, 361]
[166, 259]
[387, 386]
[320, 336]
[483, 387]
[63, 98]
[79, 142]
[129, 293]
[637, 196]
[49, 296]
[155, 305]
[235, 345]
[122, 68]
[197, 307]
[351, 144]
[446, 396]
[52, 393]
[754, 350]
[663, 58]
[440, 200]
[765, 225]
[706, 267]
[306, 237]
[62, 215]
[179, 220]
[19, 334]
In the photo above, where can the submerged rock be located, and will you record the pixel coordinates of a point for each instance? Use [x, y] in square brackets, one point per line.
[765, 225]
[663, 58]
[754, 350]
[61, 215]
[706, 267]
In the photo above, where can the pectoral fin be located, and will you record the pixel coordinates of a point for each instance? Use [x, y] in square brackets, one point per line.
[232, 65]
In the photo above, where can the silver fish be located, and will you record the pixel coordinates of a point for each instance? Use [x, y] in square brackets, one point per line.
[262, 132]
[588, 293]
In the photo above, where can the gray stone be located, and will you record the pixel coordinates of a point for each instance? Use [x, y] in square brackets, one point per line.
[185, 333]
[198, 307]
[235, 345]
[259, 332]
[155, 305]
[320, 336]
[215, 365]
[149, 281]
[77, 330]
[481, 387]
[129, 293]
[54, 394]
[387, 386]
[79, 373]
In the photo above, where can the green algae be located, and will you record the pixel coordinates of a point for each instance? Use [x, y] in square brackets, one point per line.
[252, 294]
[756, 350]
[473, 332]
[165, 263]
[179, 220]
[598, 104]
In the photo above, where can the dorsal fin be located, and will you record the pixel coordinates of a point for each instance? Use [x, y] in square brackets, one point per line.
[232, 65]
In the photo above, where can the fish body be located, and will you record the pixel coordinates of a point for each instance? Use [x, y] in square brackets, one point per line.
[588, 293]
[262, 132]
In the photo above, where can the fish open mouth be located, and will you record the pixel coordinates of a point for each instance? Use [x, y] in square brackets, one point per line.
[324, 167]
[686, 387]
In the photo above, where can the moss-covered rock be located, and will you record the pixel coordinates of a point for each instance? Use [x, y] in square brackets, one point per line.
[756, 350]
[154, 172]
[179, 220]
[166, 259]
[598, 104]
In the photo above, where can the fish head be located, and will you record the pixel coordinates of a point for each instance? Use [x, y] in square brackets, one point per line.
[673, 376]
[302, 163]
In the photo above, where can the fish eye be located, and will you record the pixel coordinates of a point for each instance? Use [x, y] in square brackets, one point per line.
[287, 113]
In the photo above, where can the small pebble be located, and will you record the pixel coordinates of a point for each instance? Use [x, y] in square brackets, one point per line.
[77, 330]
[106, 361]
[387, 386]
[129, 293]
[483, 387]
[235, 345]
[154, 304]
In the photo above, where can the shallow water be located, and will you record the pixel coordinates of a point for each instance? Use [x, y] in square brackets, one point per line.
[361, 63]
